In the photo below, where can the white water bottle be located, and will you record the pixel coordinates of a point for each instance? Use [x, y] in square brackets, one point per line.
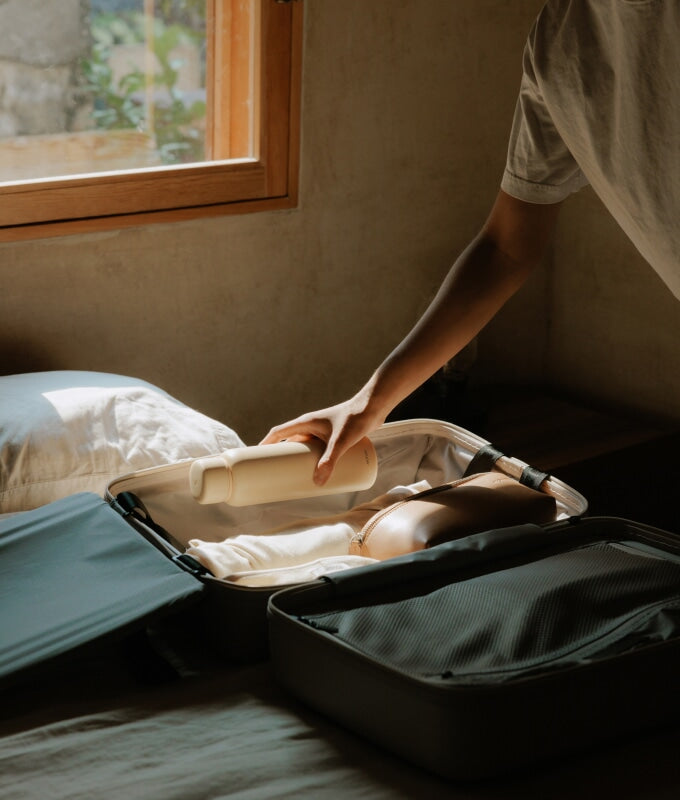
[267, 473]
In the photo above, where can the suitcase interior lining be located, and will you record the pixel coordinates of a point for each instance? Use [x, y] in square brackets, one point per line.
[407, 452]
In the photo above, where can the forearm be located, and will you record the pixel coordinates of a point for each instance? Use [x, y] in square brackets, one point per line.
[491, 269]
[477, 286]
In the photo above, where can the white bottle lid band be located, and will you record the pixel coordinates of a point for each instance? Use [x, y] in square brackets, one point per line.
[210, 480]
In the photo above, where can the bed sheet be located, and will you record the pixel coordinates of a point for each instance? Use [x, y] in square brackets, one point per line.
[118, 723]
[100, 728]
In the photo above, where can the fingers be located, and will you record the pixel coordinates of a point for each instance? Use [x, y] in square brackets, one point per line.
[339, 427]
[304, 428]
[342, 438]
[298, 429]
[326, 464]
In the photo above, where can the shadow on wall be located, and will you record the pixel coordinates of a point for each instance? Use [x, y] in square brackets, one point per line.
[18, 357]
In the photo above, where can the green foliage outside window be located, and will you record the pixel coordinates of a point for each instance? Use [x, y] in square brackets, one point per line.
[178, 120]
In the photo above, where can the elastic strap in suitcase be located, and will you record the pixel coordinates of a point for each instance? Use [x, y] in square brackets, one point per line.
[131, 507]
[486, 457]
[483, 460]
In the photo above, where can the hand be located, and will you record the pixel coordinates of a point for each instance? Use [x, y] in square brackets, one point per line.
[339, 426]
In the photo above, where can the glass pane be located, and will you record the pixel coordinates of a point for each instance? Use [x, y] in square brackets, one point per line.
[100, 85]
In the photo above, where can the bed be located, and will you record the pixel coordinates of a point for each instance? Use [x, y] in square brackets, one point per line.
[157, 715]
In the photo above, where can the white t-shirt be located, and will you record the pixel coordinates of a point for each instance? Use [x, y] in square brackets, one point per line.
[600, 103]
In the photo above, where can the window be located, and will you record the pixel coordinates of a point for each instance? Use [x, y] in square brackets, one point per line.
[133, 111]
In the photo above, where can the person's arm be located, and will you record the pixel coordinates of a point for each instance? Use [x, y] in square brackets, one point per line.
[492, 268]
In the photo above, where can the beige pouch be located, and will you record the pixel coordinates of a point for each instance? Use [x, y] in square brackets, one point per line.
[470, 505]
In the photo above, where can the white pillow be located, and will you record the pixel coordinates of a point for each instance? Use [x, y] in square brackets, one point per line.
[64, 432]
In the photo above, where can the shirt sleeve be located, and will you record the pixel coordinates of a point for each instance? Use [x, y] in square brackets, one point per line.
[539, 168]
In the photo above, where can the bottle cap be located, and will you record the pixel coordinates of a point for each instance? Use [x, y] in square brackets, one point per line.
[210, 480]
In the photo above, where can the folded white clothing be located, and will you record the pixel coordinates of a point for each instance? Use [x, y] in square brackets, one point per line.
[245, 552]
[301, 573]
[296, 543]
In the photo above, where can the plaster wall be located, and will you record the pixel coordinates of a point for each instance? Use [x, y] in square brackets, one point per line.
[612, 328]
[406, 110]
[615, 327]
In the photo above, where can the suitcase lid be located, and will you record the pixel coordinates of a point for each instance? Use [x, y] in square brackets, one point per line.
[74, 571]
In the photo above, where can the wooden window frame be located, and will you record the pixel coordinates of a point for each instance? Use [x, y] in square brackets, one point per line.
[265, 181]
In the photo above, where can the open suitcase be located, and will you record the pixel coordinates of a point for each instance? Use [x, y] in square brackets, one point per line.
[84, 568]
[486, 654]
